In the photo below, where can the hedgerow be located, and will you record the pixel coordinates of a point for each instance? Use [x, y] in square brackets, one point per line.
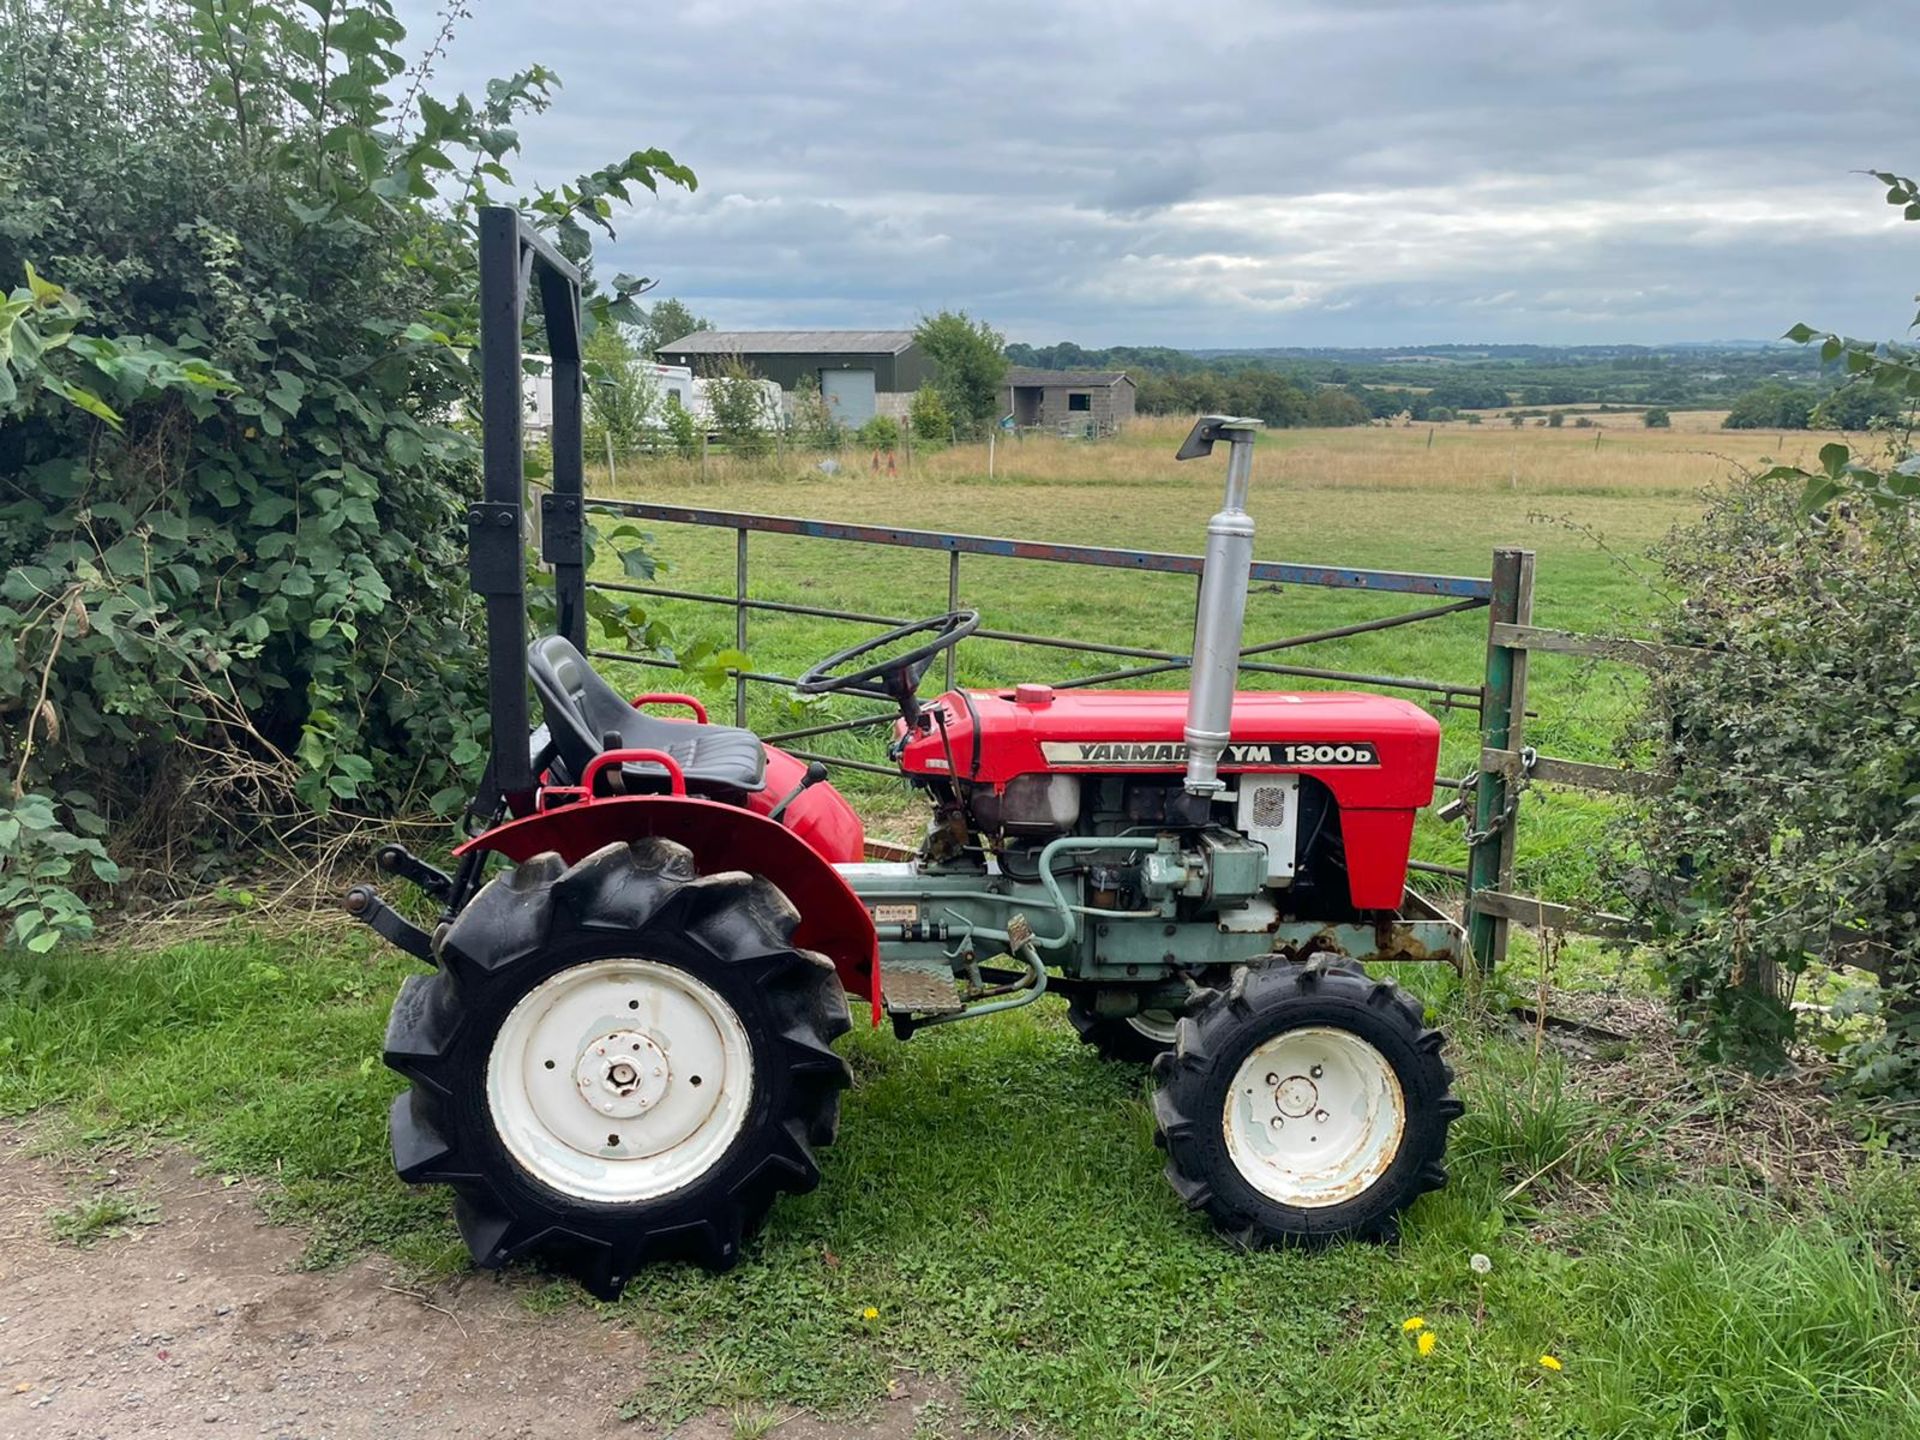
[234, 377]
[1793, 830]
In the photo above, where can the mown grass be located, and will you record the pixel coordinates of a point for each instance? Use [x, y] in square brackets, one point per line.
[996, 1198]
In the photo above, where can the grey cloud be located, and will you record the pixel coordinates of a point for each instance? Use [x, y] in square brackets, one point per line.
[1241, 171]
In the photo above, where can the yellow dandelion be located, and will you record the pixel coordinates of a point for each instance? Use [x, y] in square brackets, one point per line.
[1425, 1342]
[870, 1313]
[1413, 1323]
[1551, 1362]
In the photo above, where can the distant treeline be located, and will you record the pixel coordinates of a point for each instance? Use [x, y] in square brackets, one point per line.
[1284, 400]
[1453, 377]
[1788, 407]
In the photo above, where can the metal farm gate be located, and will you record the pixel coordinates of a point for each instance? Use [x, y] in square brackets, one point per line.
[1506, 764]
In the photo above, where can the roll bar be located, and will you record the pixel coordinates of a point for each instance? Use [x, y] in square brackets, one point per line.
[514, 258]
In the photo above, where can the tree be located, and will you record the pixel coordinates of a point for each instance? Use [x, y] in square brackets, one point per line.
[1336, 407]
[971, 364]
[1855, 407]
[1655, 419]
[737, 399]
[1556, 420]
[1770, 407]
[1269, 396]
[814, 421]
[665, 322]
[682, 429]
[622, 398]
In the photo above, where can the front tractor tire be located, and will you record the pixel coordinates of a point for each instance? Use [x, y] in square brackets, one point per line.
[1304, 1103]
[1137, 1039]
[618, 1062]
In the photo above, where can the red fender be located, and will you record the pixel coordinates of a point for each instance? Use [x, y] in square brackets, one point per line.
[721, 837]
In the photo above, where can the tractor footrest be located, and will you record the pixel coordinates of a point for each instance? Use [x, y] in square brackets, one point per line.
[919, 987]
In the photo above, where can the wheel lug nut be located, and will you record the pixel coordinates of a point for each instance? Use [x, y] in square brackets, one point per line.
[1272, 1079]
[1316, 1072]
[1320, 1117]
[1278, 1121]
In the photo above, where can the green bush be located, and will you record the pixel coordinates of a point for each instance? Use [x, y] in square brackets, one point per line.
[1794, 742]
[882, 432]
[1656, 419]
[928, 417]
[235, 599]
[814, 421]
[738, 403]
[682, 429]
[622, 400]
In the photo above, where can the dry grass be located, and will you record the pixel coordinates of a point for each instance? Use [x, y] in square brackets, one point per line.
[1621, 457]
[1616, 456]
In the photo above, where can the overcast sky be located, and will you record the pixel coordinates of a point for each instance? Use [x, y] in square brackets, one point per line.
[1233, 172]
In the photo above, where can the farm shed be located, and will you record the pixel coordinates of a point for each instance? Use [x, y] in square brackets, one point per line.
[1074, 402]
[862, 373]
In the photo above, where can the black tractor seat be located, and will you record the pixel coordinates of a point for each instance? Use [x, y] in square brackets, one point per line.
[586, 716]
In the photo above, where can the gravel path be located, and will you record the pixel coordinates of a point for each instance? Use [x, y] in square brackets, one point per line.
[199, 1324]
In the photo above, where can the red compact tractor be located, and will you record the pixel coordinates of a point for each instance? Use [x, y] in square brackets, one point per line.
[624, 1049]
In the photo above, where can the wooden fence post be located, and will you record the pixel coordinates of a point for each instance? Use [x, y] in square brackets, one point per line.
[1503, 709]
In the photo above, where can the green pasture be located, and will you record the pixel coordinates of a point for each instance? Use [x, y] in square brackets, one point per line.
[1592, 575]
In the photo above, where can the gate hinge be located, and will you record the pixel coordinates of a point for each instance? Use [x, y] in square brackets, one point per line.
[495, 557]
[562, 529]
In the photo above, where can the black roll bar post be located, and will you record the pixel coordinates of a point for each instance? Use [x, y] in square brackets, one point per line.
[512, 257]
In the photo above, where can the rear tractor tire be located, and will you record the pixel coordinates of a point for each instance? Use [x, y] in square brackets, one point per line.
[618, 1062]
[1304, 1103]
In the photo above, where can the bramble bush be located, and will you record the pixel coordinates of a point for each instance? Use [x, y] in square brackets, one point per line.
[1794, 826]
[233, 458]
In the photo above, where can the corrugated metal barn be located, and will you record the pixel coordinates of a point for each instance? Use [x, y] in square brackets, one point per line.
[1073, 402]
[862, 373]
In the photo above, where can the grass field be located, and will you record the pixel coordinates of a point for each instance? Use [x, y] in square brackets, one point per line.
[1589, 503]
[995, 1197]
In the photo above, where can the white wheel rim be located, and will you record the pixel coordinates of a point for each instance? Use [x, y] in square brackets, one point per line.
[620, 1080]
[1156, 1025]
[1315, 1117]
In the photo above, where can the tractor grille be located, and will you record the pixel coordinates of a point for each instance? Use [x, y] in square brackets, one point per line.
[1270, 806]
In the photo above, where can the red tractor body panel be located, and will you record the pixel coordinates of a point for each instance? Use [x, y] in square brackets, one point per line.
[1376, 755]
[721, 837]
[820, 816]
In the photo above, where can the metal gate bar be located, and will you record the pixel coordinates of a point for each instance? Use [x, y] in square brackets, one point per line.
[1276, 572]
[1459, 594]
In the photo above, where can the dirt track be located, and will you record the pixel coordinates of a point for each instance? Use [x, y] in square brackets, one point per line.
[200, 1325]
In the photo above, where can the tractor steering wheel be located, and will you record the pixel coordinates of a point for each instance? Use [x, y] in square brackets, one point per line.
[897, 677]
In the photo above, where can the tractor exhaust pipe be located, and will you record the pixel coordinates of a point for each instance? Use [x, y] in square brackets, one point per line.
[1222, 611]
